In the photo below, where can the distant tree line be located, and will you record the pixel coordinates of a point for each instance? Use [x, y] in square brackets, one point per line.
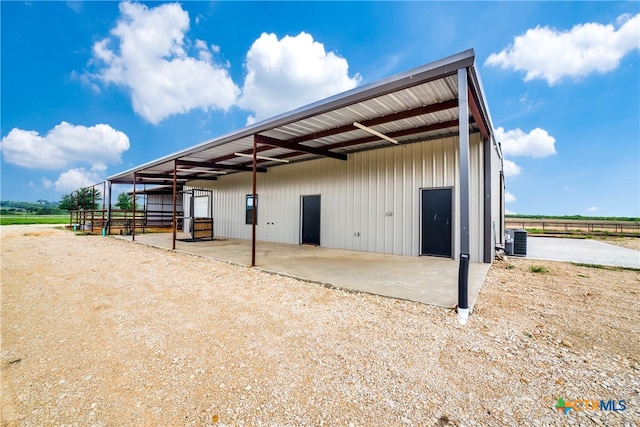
[81, 199]
[40, 207]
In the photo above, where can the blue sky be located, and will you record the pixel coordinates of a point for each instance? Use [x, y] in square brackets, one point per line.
[89, 89]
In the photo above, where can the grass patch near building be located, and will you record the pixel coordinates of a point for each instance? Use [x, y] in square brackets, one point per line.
[33, 219]
[538, 269]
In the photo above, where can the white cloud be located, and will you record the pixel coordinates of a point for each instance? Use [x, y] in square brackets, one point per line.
[150, 61]
[165, 73]
[549, 54]
[46, 183]
[592, 209]
[291, 72]
[78, 178]
[63, 145]
[511, 169]
[509, 212]
[508, 197]
[537, 143]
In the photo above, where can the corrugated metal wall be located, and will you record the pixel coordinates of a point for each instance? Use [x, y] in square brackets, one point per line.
[374, 193]
[162, 203]
[160, 209]
[497, 199]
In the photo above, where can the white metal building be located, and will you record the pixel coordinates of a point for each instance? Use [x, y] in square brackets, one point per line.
[371, 202]
[407, 165]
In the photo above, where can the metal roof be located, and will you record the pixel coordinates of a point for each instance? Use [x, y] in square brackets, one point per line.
[416, 105]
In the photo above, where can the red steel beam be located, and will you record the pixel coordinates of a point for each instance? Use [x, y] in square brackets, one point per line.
[414, 112]
[475, 113]
[297, 147]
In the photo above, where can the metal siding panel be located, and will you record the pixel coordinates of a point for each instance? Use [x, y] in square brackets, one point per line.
[231, 208]
[398, 197]
[329, 210]
[413, 192]
[404, 214]
[361, 178]
[380, 201]
[480, 196]
[476, 173]
[356, 194]
[437, 164]
[338, 191]
[372, 223]
[388, 159]
[346, 190]
[353, 201]
[369, 203]
[480, 199]
[496, 197]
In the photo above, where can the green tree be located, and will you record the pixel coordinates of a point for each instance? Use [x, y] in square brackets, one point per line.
[125, 201]
[84, 198]
[66, 202]
[88, 198]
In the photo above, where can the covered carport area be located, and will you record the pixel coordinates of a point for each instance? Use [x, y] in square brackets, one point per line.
[442, 100]
[422, 279]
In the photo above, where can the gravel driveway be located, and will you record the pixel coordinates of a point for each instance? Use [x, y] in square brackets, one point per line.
[98, 331]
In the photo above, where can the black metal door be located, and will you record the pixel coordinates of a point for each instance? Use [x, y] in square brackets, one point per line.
[311, 220]
[436, 222]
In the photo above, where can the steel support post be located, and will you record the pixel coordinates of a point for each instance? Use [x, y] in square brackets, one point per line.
[175, 198]
[463, 126]
[133, 220]
[254, 202]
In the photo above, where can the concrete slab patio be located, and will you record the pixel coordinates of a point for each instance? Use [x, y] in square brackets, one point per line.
[428, 280]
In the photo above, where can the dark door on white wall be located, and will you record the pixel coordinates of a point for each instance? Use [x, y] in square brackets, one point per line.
[310, 220]
[436, 222]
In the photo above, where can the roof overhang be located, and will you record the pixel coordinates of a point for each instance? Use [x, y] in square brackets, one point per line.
[414, 106]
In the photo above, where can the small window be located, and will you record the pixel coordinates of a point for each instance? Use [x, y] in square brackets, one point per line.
[249, 209]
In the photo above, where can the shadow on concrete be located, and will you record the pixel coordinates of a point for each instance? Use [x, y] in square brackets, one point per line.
[429, 280]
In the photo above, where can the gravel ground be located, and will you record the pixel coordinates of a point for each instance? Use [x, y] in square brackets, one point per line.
[625, 242]
[99, 331]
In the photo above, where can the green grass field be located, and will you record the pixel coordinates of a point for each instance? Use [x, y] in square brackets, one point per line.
[33, 219]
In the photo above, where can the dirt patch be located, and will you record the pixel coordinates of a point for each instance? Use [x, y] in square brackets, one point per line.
[625, 242]
[39, 233]
[575, 306]
[100, 331]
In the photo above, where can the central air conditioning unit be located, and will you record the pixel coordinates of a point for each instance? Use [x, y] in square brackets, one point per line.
[516, 242]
